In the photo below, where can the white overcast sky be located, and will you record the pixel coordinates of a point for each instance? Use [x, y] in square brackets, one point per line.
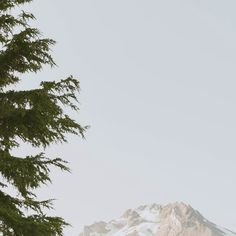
[158, 80]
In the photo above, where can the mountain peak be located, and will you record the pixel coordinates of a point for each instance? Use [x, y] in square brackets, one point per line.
[174, 219]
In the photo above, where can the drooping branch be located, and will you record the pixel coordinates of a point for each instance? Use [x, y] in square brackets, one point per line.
[28, 173]
[36, 116]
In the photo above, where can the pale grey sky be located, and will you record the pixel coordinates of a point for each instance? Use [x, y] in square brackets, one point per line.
[158, 81]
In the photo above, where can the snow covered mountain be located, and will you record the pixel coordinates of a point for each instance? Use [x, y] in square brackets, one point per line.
[177, 219]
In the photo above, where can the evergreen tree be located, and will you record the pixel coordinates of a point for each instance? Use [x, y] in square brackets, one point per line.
[32, 116]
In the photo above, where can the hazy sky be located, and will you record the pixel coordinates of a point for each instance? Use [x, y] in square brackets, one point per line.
[158, 81]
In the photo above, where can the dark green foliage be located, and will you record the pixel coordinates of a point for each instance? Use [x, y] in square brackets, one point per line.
[33, 116]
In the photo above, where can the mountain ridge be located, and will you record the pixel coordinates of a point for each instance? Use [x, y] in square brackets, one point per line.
[174, 219]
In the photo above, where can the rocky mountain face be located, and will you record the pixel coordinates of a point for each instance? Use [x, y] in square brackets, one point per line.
[177, 219]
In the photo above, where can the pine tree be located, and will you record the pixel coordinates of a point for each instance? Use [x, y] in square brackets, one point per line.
[35, 117]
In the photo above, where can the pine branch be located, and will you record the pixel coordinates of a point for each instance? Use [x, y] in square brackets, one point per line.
[28, 173]
[6, 5]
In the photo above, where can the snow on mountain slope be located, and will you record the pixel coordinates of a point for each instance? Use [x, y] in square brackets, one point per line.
[177, 219]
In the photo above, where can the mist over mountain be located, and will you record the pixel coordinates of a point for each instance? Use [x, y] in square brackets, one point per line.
[176, 219]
